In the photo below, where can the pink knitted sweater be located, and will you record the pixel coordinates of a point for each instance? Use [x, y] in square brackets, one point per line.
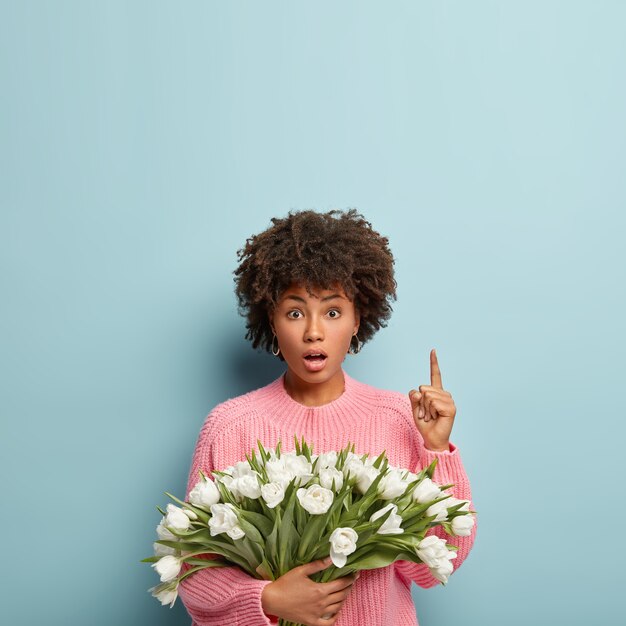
[374, 420]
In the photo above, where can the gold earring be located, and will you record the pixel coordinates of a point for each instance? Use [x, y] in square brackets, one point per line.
[356, 350]
[277, 347]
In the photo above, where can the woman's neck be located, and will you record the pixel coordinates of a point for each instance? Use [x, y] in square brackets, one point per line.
[314, 394]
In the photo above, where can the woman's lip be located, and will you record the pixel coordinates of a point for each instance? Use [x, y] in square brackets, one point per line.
[314, 365]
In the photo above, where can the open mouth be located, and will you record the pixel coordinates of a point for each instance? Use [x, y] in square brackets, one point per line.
[315, 362]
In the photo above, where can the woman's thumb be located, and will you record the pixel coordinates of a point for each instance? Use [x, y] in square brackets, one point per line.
[415, 397]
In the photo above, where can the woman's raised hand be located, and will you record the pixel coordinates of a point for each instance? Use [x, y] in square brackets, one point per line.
[433, 409]
[296, 598]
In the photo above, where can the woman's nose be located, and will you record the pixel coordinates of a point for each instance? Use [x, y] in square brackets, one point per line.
[313, 330]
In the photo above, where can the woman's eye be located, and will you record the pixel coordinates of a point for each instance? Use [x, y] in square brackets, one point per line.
[334, 311]
[290, 312]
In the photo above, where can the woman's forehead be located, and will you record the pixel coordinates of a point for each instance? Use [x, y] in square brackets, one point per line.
[299, 289]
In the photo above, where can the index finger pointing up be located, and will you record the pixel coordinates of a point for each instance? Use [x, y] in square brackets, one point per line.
[435, 374]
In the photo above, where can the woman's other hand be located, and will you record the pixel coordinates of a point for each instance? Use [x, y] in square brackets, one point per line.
[296, 598]
[433, 409]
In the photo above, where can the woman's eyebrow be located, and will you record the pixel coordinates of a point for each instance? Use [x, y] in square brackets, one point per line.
[299, 299]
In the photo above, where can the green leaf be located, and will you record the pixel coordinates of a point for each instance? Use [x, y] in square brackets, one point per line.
[191, 571]
[208, 562]
[430, 470]
[379, 459]
[265, 570]
[264, 454]
[370, 496]
[380, 558]
[312, 531]
[271, 545]
[401, 542]
[253, 462]
[227, 497]
[251, 530]
[314, 466]
[419, 526]
[260, 521]
[306, 450]
[269, 514]
[178, 545]
[253, 552]
[287, 537]
[301, 518]
[175, 499]
[196, 535]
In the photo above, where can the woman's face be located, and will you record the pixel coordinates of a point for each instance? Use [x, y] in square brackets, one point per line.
[321, 323]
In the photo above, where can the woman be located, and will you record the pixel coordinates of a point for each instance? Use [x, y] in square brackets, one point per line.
[315, 287]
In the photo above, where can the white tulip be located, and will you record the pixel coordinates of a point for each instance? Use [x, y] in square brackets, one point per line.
[161, 550]
[166, 595]
[328, 459]
[241, 468]
[164, 533]
[342, 542]
[444, 569]
[229, 471]
[392, 485]
[299, 467]
[369, 461]
[462, 525]
[432, 551]
[277, 471]
[315, 499]
[204, 494]
[452, 501]
[353, 467]
[273, 494]
[391, 525]
[224, 520]
[365, 478]
[440, 509]
[327, 475]
[246, 485]
[226, 480]
[426, 491]
[176, 518]
[167, 567]
[410, 477]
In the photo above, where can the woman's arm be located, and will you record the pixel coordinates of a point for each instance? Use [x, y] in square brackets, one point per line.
[219, 596]
[449, 469]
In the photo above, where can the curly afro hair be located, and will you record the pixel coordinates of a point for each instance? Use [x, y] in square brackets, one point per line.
[316, 250]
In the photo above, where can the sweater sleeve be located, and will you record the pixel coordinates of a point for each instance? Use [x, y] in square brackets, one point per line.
[219, 596]
[449, 469]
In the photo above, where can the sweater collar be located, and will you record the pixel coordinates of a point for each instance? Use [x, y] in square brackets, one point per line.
[284, 402]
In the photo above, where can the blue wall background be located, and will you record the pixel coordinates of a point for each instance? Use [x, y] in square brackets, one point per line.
[143, 142]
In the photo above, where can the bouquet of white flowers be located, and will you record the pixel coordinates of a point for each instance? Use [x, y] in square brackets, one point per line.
[276, 511]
